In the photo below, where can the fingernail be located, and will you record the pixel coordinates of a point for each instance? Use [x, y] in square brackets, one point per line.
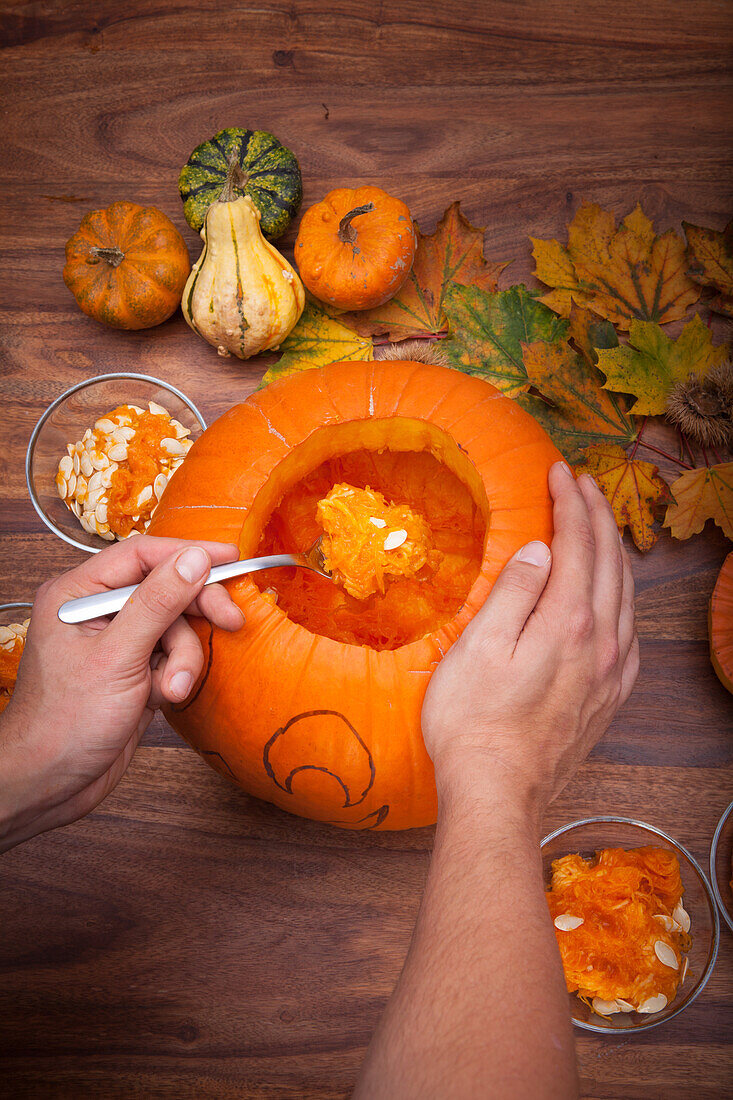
[565, 468]
[191, 564]
[181, 683]
[591, 479]
[534, 553]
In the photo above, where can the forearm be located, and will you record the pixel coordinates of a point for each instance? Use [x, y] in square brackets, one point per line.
[481, 1007]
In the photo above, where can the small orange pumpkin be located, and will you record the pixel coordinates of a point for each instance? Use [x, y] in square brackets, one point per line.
[127, 266]
[326, 728]
[720, 623]
[355, 248]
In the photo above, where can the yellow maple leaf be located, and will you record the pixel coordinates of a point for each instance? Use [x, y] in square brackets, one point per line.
[620, 274]
[316, 341]
[710, 260]
[454, 253]
[700, 495]
[651, 363]
[633, 488]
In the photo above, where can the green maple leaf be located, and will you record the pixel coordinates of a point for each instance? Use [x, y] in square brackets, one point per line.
[316, 341]
[577, 412]
[652, 362]
[487, 332]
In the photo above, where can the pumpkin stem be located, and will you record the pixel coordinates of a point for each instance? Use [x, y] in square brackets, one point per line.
[346, 232]
[112, 256]
[236, 177]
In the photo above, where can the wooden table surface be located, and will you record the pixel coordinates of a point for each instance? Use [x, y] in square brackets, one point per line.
[186, 940]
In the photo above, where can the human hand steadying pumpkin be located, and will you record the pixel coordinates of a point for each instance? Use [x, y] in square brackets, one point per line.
[539, 673]
[85, 694]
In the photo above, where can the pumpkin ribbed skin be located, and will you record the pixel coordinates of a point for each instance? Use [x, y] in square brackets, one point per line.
[326, 730]
[127, 266]
[264, 169]
[720, 624]
[359, 263]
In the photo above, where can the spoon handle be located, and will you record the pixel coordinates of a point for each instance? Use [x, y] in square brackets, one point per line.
[108, 603]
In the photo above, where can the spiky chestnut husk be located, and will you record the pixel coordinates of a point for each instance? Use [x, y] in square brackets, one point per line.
[702, 408]
[418, 351]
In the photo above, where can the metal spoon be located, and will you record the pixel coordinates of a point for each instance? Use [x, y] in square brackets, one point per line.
[107, 603]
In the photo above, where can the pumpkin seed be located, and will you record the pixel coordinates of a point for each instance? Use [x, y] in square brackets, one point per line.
[117, 453]
[144, 495]
[86, 465]
[100, 511]
[667, 923]
[61, 486]
[105, 425]
[77, 464]
[653, 1004]
[99, 460]
[87, 435]
[682, 917]
[94, 497]
[624, 1006]
[159, 485]
[173, 446]
[605, 1008]
[81, 488]
[377, 521]
[395, 539]
[566, 922]
[683, 969]
[666, 955]
[71, 485]
[156, 409]
[6, 634]
[66, 466]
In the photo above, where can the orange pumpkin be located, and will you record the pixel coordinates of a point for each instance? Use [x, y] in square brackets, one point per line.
[328, 728]
[127, 266]
[720, 624]
[355, 248]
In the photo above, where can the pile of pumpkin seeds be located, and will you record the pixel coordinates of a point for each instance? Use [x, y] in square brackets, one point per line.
[85, 473]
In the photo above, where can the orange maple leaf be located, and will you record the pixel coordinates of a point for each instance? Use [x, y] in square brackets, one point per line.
[454, 253]
[633, 488]
[710, 260]
[620, 274]
[700, 495]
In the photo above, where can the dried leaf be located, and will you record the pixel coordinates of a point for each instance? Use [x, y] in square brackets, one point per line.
[650, 365]
[452, 254]
[316, 341]
[581, 412]
[710, 262]
[633, 488]
[621, 274]
[487, 330]
[700, 495]
[589, 332]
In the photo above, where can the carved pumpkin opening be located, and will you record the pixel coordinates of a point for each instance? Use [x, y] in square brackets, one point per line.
[408, 461]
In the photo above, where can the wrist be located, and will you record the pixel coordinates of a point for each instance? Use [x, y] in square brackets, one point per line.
[21, 785]
[473, 783]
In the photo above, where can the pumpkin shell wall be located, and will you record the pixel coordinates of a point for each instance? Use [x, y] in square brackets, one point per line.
[322, 729]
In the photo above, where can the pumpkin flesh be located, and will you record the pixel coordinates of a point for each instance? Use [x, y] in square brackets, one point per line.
[411, 605]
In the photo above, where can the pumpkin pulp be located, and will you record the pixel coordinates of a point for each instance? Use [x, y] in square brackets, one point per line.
[144, 453]
[429, 590]
[9, 662]
[626, 899]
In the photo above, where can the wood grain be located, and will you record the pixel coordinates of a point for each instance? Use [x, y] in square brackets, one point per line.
[186, 940]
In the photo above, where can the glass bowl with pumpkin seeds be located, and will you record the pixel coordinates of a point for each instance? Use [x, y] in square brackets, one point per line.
[101, 456]
[14, 620]
[590, 836]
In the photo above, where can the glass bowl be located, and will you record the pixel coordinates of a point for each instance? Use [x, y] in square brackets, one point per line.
[590, 835]
[66, 420]
[721, 872]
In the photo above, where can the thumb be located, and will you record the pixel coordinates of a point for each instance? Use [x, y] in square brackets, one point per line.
[514, 596]
[157, 602]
